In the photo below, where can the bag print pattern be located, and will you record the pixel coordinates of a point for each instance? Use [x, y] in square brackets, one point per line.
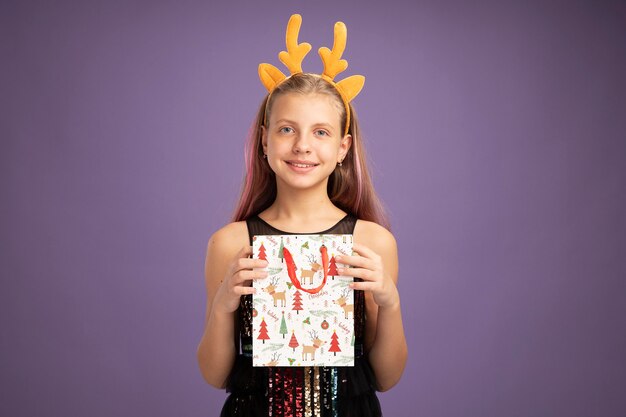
[303, 311]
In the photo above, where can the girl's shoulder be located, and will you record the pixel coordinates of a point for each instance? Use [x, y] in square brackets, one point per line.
[373, 235]
[231, 237]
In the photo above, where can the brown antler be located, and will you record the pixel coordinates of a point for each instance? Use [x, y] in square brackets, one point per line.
[293, 57]
[333, 64]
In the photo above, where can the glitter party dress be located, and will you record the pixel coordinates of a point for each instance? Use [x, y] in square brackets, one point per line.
[299, 391]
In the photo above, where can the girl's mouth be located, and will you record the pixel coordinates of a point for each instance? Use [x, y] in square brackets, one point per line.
[301, 165]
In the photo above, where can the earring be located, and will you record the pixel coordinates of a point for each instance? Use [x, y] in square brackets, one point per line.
[339, 163]
[265, 156]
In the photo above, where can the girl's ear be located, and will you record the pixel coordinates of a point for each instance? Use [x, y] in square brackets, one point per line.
[264, 139]
[344, 146]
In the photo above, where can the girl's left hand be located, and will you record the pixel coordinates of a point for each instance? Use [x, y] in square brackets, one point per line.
[368, 265]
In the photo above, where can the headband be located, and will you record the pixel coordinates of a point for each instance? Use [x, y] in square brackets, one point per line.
[348, 88]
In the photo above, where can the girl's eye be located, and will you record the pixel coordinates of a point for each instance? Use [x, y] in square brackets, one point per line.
[321, 133]
[286, 130]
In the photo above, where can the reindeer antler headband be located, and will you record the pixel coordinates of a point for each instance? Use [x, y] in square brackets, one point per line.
[348, 88]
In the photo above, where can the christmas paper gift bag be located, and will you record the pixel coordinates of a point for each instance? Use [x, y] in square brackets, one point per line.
[303, 311]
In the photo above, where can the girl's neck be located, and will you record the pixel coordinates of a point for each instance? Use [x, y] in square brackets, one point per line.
[302, 207]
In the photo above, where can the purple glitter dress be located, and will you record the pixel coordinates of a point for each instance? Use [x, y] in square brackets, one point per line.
[299, 391]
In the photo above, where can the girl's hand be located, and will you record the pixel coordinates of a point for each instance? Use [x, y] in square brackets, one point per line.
[238, 280]
[368, 265]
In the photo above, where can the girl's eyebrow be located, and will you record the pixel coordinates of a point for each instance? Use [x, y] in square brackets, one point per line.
[326, 125]
[291, 122]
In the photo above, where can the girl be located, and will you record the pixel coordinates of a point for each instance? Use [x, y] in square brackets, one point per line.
[306, 175]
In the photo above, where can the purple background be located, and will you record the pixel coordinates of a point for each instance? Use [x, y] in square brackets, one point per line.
[496, 136]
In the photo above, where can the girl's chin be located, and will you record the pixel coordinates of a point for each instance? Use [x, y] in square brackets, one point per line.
[301, 182]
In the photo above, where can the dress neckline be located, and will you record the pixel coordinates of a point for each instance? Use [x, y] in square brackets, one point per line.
[302, 233]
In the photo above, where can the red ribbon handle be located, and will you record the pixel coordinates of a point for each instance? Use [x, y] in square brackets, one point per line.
[291, 270]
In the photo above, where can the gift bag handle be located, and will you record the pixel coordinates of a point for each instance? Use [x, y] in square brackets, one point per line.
[291, 270]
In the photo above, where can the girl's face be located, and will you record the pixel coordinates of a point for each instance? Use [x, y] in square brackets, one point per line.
[304, 139]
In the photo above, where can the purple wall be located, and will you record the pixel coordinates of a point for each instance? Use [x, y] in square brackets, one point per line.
[496, 136]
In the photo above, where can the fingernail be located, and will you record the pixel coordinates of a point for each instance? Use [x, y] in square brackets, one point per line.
[337, 258]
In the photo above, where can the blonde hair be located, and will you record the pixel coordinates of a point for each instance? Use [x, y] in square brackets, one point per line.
[349, 186]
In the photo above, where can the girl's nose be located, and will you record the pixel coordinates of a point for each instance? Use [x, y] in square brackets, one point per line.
[302, 144]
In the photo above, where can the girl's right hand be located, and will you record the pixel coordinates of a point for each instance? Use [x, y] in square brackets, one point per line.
[238, 280]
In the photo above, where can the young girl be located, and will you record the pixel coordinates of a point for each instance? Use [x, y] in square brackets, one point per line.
[306, 175]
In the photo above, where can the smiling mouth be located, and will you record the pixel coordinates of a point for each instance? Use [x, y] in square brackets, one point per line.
[301, 165]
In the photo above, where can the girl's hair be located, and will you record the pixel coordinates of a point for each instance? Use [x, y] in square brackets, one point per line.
[349, 186]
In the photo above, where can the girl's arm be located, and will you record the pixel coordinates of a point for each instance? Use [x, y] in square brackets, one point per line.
[228, 275]
[377, 264]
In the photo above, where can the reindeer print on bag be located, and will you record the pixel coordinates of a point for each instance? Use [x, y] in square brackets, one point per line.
[343, 303]
[310, 350]
[278, 296]
[310, 273]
